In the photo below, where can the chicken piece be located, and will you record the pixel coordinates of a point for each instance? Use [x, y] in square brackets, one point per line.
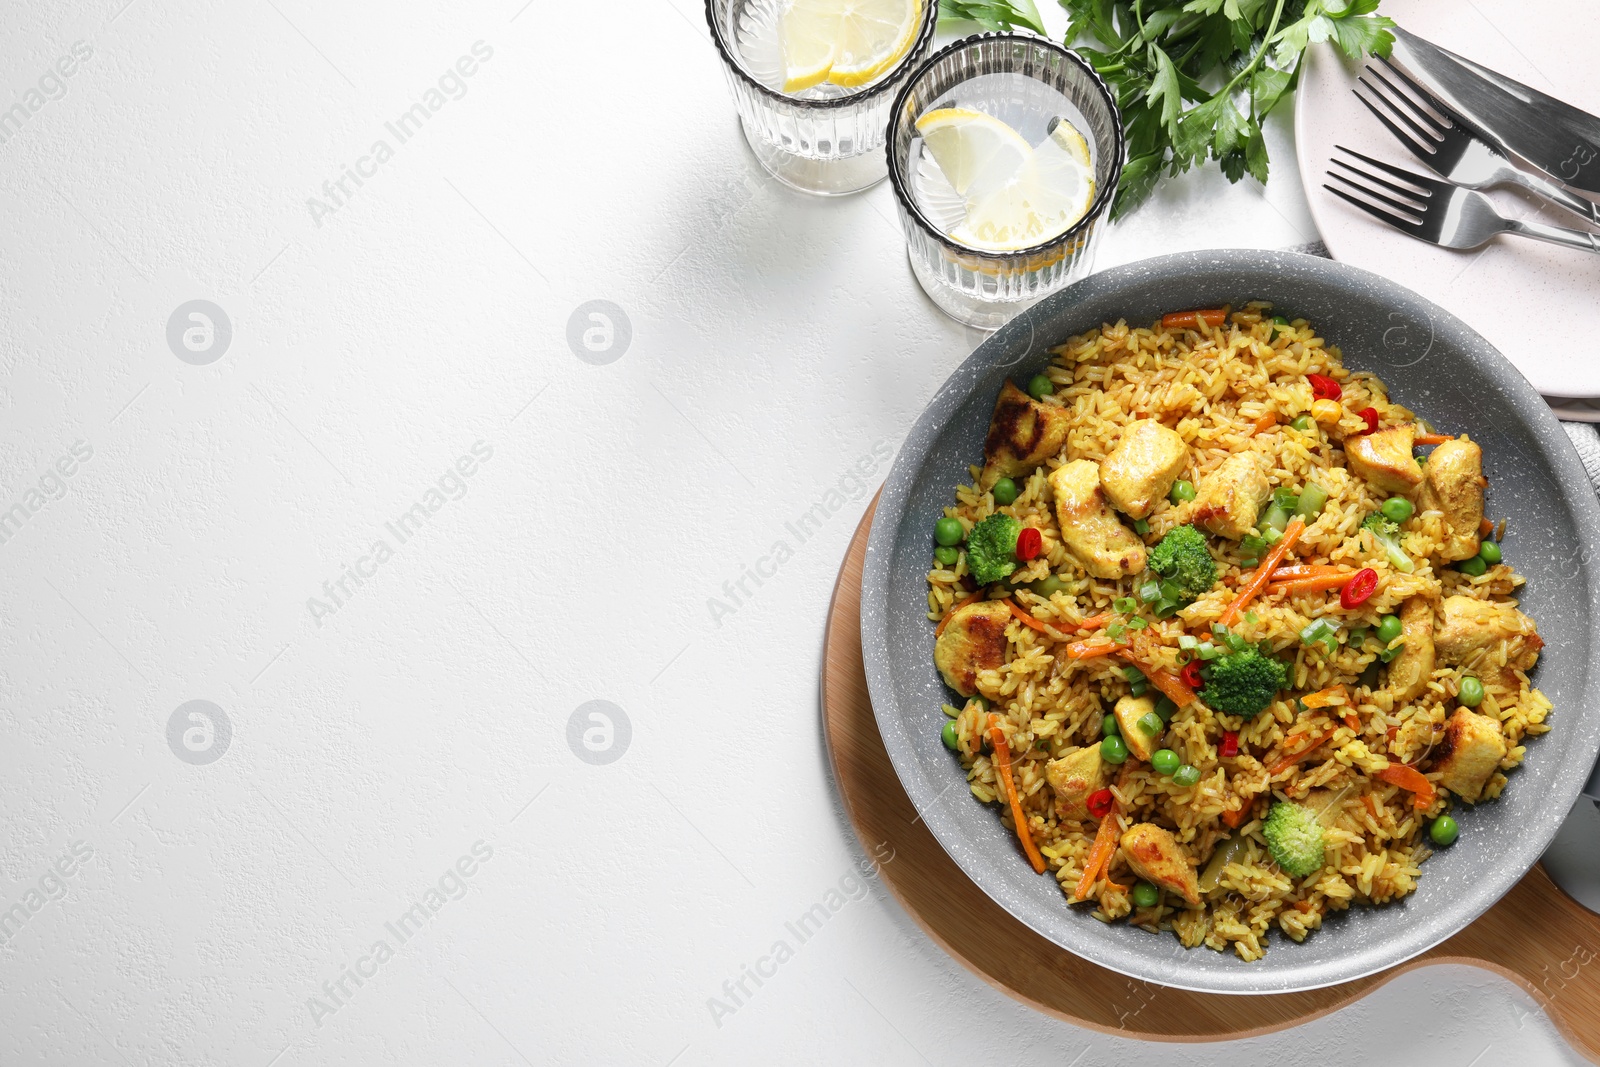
[1090, 529]
[1140, 470]
[973, 640]
[1411, 669]
[1023, 433]
[1228, 502]
[1473, 627]
[1129, 710]
[1384, 460]
[1469, 753]
[1453, 485]
[1155, 855]
[1073, 777]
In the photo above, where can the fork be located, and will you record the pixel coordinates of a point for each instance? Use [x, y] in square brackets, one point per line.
[1447, 145]
[1437, 211]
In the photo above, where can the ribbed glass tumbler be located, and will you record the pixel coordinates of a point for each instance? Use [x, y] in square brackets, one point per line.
[1031, 84]
[827, 139]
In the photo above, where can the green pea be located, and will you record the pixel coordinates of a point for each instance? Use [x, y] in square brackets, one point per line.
[1149, 724]
[1186, 776]
[1040, 387]
[948, 735]
[1389, 628]
[1471, 692]
[1489, 552]
[948, 532]
[1145, 895]
[1474, 566]
[1303, 423]
[1005, 492]
[1165, 761]
[1397, 509]
[1108, 726]
[1279, 320]
[946, 555]
[1181, 490]
[1113, 749]
[1444, 831]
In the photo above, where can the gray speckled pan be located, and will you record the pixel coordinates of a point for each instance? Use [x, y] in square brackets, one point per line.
[1433, 364]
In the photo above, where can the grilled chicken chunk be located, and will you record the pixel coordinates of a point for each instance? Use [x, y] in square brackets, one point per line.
[1155, 855]
[1090, 529]
[1473, 627]
[973, 640]
[1411, 669]
[1453, 485]
[1128, 711]
[1384, 459]
[1073, 777]
[1140, 470]
[1469, 753]
[1228, 502]
[1023, 433]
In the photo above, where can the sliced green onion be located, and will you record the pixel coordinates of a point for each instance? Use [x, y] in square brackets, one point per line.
[1133, 674]
[1137, 623]
[1313, 498]
[1116, 630]
[1208, 651]
[1390, 653]
[1276, 519]
[1188, 642]
[1141, 527]
[1124, 605]
[1285, 499]
[1150, 591]
[1138, 688]
[1251, 617]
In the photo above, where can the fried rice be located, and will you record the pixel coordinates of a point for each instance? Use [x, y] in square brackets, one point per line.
[1237, 386]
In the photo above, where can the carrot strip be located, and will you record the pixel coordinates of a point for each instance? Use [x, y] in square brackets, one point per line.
[1100, 853]
[1234, 818]
[1306, 570]
[973, 599]
[1086, 650]
[1431, 439]
[1315, 584]
[1485, 527]
[1290, 760]
[1034, 624]
[1412, 781]
[1263, 573]
[1322, 698]
[1372, 805]
[1002, 759]
[1176, 320]
[1354, 722]
[1096, 622]
[1265, 422]
[1168, 683]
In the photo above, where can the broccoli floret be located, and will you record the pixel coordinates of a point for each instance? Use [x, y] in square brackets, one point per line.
[992, 548]
[1183, 558]
[1294, 837]
[1387, 533]
[1243, 682]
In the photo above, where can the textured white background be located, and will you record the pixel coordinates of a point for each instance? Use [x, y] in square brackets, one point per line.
[776, 340]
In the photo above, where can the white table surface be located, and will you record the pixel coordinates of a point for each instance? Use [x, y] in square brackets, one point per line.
[777, 342]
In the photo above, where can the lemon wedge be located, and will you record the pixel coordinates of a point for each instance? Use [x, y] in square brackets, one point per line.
[1016, 195]
[845, 42]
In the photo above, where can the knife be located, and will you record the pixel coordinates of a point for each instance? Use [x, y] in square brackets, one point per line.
[1551, 135]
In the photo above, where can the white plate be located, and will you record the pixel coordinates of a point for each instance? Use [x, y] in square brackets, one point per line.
[1512, 282]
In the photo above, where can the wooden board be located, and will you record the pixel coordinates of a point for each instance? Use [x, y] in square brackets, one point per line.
[1536, 935]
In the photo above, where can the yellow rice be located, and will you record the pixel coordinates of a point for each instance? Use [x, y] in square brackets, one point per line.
[1212, 385]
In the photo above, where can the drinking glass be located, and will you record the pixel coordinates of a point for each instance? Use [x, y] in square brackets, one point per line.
[1029, 83]
[826, 140]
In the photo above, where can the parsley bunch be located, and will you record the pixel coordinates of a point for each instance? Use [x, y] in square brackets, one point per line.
[1195, 78]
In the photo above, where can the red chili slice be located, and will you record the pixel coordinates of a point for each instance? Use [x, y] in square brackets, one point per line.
[1371, 416]
[1324, 387]
[1029, 543]
[1358, 589]
[1230, 744]
[1191, 674]
[1099, 803]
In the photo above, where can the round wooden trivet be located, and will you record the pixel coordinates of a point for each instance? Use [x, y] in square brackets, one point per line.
[1536, 935]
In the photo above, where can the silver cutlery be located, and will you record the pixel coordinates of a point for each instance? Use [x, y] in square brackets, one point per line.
[1436, 211]
[1551, 135]
[1438, 136]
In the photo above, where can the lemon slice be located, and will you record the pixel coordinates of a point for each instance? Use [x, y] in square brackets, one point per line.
[1049, 192]
[844, 42]
[874, 36]
[977, 152]
[808, 36]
